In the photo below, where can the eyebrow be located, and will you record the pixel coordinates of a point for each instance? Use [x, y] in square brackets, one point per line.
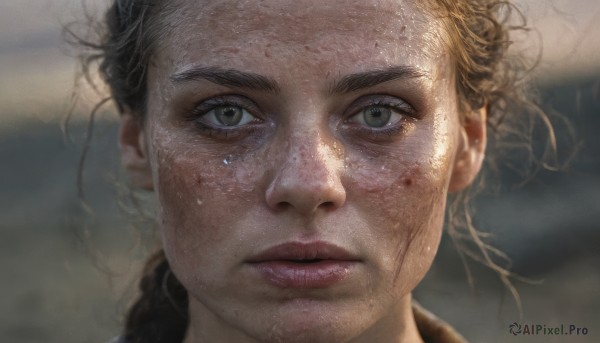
[347, 84]
[358, 81]
[227, 77]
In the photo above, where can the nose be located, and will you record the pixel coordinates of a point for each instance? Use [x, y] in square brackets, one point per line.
[307, 178]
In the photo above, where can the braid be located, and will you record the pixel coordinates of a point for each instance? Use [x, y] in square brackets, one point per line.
[160, 312]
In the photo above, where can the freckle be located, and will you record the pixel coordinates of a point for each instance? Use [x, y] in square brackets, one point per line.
[198, 180]
[407, 182]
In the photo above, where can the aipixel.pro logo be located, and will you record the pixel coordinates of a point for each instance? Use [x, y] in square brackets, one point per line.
[516, 329]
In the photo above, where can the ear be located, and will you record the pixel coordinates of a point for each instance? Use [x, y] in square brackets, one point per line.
[134, 155]
[470, 151]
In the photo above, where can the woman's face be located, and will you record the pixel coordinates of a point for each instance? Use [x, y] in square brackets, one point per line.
[301, 153]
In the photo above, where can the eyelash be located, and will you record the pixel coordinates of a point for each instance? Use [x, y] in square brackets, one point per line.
[379, 133]
[219, 132]
[401, 107]
[407, 112]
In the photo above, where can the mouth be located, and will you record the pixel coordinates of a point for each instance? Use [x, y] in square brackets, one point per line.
[304, 265]
[303, 253]
[306, 261]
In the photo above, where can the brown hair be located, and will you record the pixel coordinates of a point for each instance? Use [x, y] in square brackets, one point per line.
[160, 314]
[478, 36]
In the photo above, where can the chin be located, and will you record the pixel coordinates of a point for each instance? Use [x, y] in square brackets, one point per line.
[307, 321]
[310, 331]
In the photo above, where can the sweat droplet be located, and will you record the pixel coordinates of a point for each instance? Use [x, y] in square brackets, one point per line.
[227, 160]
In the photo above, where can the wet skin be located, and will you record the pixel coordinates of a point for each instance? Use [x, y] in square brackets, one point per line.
[297, 121]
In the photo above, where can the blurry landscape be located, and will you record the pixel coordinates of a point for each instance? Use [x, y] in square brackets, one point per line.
[67, 275]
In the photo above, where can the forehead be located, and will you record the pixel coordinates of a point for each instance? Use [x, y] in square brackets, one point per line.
[319, 34]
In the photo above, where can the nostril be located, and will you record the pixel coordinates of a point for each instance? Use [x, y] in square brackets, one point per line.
[283, 205]
[328, 205]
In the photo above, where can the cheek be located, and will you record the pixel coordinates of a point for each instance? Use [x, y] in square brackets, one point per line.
[182, 190]
[200, 196]
[403, 199]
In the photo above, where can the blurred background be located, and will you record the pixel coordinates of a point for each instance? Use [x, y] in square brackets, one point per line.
[68, 273]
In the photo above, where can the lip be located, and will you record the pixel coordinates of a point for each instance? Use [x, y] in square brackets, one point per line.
[304, 265]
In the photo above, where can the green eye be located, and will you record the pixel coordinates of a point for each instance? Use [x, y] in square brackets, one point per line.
[228, 116]
[376, 116]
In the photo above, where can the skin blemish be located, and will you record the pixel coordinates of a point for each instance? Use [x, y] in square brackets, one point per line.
[410, 174]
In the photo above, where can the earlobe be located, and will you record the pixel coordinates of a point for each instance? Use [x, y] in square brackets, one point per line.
[134, 156]
[470, 152]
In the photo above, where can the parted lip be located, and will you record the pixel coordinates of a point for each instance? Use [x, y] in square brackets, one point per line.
[301, 251]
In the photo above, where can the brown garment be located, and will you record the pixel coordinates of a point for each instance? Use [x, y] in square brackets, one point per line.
[434, 330]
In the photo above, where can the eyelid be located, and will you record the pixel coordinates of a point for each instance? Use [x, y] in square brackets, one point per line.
[383, 100]
[211, 118]
[203, 107]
